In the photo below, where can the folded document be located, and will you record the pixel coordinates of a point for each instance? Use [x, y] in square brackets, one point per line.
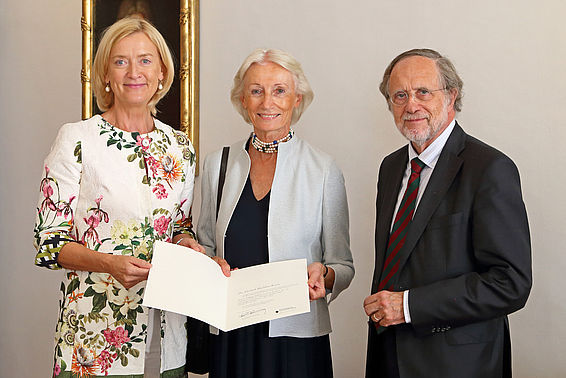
[187, 282]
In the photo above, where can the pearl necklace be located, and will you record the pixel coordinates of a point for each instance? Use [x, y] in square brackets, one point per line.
[270, 147]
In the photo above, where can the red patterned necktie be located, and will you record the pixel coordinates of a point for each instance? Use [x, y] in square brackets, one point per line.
[399, 230]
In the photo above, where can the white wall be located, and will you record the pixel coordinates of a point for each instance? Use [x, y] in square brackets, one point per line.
[40, 88]
[510, 54]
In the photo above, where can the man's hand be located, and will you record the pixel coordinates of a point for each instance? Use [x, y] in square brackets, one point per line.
[385, 308]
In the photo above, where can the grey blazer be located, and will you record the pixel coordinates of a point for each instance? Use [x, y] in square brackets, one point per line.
[308, 218]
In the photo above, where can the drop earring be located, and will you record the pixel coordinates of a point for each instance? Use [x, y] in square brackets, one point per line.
[160, 86]
[107, 88]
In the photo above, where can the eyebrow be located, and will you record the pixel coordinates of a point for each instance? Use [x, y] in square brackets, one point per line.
[413, 89]
[139, 56]
[286, 85]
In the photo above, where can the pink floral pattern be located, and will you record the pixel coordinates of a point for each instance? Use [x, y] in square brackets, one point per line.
[90, 236]
[161, 224]
[160, 191]
[105, 360]
[116, 337]
[143, 142]
[61, 208]
[154, 165]
[56, 370]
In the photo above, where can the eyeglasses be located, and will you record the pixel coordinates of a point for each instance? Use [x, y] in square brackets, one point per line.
[421, 95]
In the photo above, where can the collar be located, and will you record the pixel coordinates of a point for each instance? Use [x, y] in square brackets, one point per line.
[431, 154]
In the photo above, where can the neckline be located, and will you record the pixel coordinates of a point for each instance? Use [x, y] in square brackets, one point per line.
[263, 199]
[155, 128]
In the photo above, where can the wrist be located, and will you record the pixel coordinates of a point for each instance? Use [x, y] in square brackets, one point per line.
[108, 263]
[179, 237]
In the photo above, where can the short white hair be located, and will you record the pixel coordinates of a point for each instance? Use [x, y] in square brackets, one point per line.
[283, 59]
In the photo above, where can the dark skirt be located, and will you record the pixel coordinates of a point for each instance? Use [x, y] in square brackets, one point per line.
[249, 352]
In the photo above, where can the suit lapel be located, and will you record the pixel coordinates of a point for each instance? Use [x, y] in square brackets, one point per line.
[447, 167]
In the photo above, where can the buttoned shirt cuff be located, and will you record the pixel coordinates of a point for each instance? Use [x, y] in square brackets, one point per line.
[406, 306]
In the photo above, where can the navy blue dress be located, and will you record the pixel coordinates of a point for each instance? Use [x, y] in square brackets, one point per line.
[249, 352]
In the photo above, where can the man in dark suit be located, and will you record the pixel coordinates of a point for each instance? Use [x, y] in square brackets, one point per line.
[452, 239]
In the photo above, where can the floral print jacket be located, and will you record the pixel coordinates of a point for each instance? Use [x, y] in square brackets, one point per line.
[114, 192]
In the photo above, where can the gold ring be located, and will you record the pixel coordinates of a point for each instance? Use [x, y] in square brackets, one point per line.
[375, 318]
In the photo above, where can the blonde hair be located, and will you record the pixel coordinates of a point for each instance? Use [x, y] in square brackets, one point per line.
[283, 59]
[116, 32]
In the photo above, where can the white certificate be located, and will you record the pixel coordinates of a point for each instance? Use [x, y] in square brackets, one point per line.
[188, 282]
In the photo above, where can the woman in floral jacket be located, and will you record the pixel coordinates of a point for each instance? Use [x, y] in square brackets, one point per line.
[112, 186]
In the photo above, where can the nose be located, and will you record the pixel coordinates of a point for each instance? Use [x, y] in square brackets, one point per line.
[412, 104]
[133, 70]
[267, 100]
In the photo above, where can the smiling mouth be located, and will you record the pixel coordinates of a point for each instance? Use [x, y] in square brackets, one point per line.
[134, 85]
[268, 116]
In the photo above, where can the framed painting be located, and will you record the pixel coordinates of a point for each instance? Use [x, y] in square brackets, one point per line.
[178, 22]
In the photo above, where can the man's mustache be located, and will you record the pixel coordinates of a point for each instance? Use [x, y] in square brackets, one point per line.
[412, 117]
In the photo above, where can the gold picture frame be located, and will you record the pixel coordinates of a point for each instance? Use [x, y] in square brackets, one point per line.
[188, 54]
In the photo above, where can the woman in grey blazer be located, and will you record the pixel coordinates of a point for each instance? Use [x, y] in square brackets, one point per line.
[282, 199]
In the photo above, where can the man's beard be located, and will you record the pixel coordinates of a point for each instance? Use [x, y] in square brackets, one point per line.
[420, 137]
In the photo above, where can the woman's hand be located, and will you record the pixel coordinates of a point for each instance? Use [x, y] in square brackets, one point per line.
[317, 289]
[223, 265]
[129, 270]
[187, 241]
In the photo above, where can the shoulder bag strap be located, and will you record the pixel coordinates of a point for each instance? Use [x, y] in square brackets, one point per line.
[222, 176]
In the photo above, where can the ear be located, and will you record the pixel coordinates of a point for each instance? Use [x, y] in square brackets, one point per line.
[299, 99]
[162, 71]
[242, 100]
[453, 95]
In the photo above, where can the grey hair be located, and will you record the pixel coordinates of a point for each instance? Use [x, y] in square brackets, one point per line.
[283, 59]
[448, 76]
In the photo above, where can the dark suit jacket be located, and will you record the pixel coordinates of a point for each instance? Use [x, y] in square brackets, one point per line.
[466, 262]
